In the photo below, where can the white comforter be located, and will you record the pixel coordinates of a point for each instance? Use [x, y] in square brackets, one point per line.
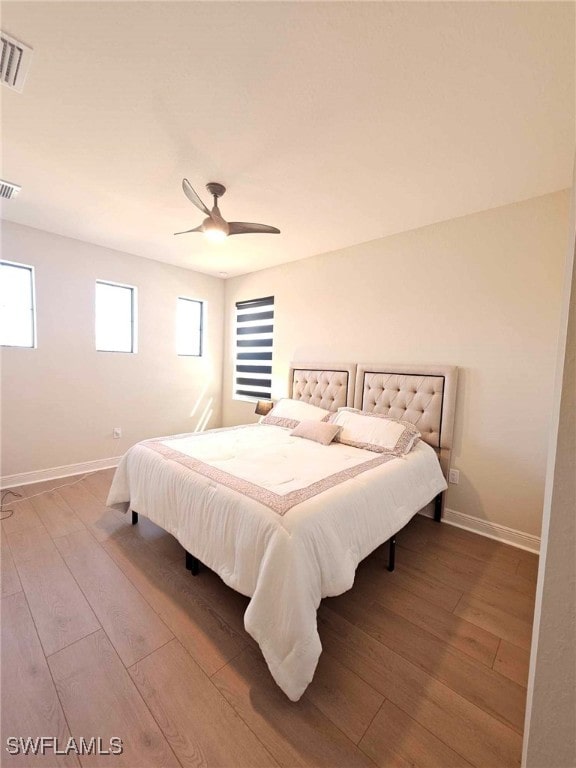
[286, 559]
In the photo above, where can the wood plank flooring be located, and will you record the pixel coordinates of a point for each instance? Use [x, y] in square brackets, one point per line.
[106, 634]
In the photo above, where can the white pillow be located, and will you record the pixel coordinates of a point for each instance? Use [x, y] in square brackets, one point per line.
[289, 413]
[375, 432]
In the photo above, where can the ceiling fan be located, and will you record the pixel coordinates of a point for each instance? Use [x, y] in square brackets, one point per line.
[214, 226]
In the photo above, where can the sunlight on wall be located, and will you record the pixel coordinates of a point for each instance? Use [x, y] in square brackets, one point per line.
[201, 396]
[205, 416]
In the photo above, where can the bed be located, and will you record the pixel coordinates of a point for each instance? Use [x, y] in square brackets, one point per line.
[286, 520]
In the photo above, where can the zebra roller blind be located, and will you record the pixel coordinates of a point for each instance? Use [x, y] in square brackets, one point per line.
[254, 337]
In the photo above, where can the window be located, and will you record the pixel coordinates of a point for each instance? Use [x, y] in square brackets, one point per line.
[254, 335]
[189, 320]
[115, 317]
[17, 312]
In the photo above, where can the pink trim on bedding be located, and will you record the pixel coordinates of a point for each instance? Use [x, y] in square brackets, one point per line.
[277, 503]
[280, 421]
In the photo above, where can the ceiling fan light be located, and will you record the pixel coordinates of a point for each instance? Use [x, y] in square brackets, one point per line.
[215, 235]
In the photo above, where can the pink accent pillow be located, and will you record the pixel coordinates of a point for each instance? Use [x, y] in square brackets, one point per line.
[320, 431]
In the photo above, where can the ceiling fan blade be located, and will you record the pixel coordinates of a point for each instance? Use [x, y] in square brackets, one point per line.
[196, 229]
[245, 228]
[192, 195]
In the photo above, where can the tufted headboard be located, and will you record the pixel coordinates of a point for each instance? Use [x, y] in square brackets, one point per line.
[327, 385]
[424, 395]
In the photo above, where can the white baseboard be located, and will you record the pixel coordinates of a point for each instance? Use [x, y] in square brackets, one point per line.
[25, 478]
[495, 531]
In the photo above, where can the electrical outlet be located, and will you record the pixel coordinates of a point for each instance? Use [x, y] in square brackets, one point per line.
[454, 476]
[117, 432]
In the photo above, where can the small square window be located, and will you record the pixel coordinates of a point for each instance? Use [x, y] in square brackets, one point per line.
[115, 317]
[17, 305]
[189, 326]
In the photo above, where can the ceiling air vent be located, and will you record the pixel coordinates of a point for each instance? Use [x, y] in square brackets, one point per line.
[8, 190]
[14, 62]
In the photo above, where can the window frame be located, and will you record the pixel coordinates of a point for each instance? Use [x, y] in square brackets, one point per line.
[201, 329]
[134, 317]
[31, 269]
[254, 304]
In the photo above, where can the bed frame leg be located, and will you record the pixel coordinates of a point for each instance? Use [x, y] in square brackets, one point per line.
[192, 564]
[391, 553]
[134, 517]
[438, 504]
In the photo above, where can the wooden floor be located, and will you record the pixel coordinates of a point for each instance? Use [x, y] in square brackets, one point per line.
[105, 633]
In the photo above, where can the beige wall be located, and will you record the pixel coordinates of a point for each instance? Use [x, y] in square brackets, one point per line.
[61, 401]
[482, 292]
[550, 733]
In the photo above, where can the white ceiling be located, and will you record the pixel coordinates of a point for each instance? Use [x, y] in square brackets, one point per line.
[337, 122]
